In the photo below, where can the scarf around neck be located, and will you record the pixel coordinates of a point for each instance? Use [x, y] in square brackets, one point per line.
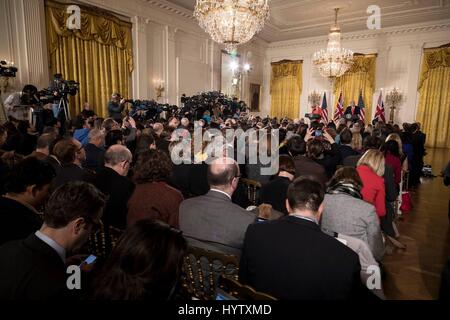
[344, 188]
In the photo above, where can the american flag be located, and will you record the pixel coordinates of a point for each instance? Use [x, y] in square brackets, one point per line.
[324, 109]
[362, 114]
[339, 111]
[380, 113]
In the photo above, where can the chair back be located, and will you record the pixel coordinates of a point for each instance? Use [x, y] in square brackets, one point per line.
[251, 190]
[103, 242]
[202, 269]
[239, 291]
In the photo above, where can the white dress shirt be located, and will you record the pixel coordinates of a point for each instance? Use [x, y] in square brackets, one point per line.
[52, 243]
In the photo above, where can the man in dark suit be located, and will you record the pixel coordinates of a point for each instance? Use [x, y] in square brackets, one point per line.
[418, 143]
[27, 189]
[275, 192]
[44, 143]
[212, 221]
[116, 107]
[71, 154]
[303, 164]
[95, 151]
[34, 268]
[291, 258]
[345, 148]
[112, 181]
[352, 112]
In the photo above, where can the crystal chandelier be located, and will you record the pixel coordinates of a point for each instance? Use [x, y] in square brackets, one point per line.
[334, 61]
[232, 22]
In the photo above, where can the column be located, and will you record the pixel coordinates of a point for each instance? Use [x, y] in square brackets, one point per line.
[170, 66]
[411, 94]
[24, 41]
[381, 74]
[140, 76]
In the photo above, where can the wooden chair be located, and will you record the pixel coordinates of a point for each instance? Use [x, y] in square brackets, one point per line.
[251, 190]
[239, 291]
[202, 269]
[102, 243]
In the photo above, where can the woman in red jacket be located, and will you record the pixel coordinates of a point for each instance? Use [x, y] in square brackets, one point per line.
[371, 170]
[393, 159]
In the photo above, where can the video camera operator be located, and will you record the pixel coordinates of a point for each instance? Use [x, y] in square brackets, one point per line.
[116, 107]
[55, 88]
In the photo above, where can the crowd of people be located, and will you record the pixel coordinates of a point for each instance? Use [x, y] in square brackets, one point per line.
[332, 205]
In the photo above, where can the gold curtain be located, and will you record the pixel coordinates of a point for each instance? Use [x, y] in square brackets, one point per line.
[99, 56]
[434, 100]
[286, 88]
[360, 77]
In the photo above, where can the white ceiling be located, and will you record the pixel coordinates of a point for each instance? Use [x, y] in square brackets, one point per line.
[294, 19]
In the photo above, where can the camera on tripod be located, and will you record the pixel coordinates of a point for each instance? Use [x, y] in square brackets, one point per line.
[68, 87]
[7, 70]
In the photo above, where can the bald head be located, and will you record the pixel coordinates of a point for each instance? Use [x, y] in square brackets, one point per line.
[158, 128]
[116, 154]
[222, 172]
[118, 158]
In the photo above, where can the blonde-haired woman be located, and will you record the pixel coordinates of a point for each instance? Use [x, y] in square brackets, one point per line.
[396, 137]
[371, 170]
[357, 144]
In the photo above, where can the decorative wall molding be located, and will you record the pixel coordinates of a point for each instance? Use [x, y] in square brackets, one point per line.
[172, 8]
[358, 36]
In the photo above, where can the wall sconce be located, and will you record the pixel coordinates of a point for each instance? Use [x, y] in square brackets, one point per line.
[159, 88]
[238, 70]
[393, 98]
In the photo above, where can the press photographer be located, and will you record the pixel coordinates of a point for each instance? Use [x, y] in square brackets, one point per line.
[116, 107]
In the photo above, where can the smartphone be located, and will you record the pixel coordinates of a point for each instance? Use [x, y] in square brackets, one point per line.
[318, 133]
[89, 260]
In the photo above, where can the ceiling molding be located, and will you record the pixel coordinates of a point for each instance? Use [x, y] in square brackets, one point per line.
[306, 29]
[172, 8]
[392, 31]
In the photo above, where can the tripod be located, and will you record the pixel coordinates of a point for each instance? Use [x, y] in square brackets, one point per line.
[63, 113]
[64, 105]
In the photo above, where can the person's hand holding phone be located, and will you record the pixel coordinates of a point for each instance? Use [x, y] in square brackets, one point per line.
[309, 134]
[88, 264]
[328, 137]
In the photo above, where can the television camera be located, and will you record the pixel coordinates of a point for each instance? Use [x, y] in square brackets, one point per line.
[143, 110]
[6, 70]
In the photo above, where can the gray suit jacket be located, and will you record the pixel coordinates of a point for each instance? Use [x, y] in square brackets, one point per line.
[213, 222]
[355, 218]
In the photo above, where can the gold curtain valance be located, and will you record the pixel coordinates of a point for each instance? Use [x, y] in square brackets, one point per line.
[96, 25]
[362, 63]
[433, 59]
[287, 68]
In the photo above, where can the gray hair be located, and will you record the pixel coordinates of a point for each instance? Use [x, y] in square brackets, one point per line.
[94, 134]
[117, 154]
